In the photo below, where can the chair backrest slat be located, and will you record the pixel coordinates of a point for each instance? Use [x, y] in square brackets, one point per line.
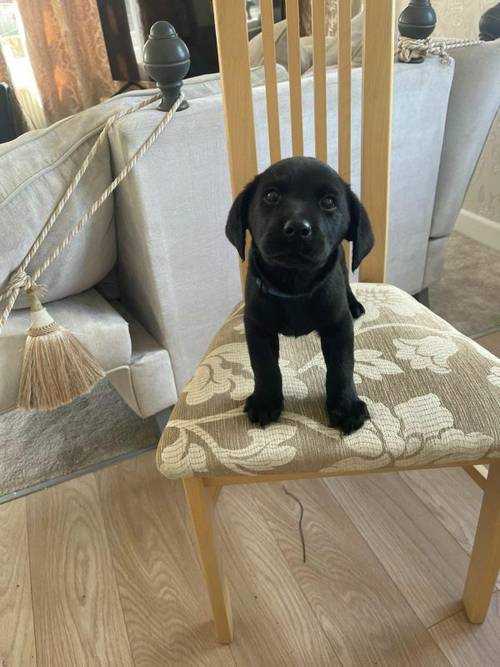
[344, 64]
[378, 59]
[232, 40]
[319, 63]
[234, 64]
[269, 51]
[294, 75]
[344, 10]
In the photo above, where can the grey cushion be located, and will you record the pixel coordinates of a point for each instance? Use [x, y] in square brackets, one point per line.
[90, 317]
[35, 170]
[147, 384]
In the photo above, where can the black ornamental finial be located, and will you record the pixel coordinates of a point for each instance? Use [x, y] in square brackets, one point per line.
[489, 24]
[167, 61]
[418, 20]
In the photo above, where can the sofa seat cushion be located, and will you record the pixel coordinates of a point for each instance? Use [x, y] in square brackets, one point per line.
[90, 317]
[147, 383]
[433, 395]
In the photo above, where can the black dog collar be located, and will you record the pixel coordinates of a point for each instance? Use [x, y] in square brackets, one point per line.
[268, 288]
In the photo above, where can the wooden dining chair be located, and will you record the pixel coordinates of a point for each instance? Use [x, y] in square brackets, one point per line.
[433, 394]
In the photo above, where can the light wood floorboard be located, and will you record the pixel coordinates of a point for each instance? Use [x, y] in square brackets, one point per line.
[115, 578]
[273, 622]
[360, 609]
[424, 561]
[161, 587]
[76, 607]
[17, 635]
[491, 342]
[453, 498]
[466, 646]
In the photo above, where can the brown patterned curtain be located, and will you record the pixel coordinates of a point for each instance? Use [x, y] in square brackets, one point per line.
[331, 15]
[19, 119]
[67, 53]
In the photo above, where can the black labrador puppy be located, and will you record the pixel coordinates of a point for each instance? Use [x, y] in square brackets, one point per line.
[298, 212]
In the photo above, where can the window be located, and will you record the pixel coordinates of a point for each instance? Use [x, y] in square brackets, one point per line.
[13, 46]
[136, 33]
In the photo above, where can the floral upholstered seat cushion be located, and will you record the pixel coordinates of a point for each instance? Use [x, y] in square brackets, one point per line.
[433, 396]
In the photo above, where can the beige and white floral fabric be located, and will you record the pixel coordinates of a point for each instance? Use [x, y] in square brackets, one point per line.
[433, 395]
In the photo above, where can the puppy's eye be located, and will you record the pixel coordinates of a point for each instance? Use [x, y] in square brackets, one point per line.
[272, 197]
[327, 203]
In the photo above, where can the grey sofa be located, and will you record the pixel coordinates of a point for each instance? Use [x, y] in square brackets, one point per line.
[148, 283]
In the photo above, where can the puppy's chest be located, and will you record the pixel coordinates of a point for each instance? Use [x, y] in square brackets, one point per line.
[295, 318]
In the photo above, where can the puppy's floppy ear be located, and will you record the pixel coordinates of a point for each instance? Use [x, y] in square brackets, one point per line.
[359, 231]
[237, 220]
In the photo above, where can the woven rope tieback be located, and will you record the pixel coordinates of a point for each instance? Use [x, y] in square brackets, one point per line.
[56, 366]
[414, 49]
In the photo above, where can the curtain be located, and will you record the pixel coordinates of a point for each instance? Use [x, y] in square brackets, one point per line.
[67, 53]
[4, 70]
[19, 119]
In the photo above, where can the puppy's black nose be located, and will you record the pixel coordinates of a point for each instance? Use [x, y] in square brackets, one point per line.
[298, 228]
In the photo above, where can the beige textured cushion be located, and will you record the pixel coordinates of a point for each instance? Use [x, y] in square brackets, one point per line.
[256, 52]
[433, 395]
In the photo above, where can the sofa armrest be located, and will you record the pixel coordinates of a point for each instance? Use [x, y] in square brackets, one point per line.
[474, 103]
[178, 275]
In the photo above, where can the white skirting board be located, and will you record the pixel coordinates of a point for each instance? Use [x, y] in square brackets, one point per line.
[479, 228]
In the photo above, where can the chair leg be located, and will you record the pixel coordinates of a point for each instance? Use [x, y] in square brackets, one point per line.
[214, 492]
[202, 513]
[485, 557]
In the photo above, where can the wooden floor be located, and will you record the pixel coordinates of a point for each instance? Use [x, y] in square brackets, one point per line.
[491, 342]
[102, 570]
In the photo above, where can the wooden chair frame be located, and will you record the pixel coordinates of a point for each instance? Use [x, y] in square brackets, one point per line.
[230, 19]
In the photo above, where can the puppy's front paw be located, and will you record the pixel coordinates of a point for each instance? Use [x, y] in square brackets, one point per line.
[348, 416]
[357, 309]
[262, 410]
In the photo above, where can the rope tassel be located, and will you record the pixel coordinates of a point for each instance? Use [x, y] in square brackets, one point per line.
[56, 368]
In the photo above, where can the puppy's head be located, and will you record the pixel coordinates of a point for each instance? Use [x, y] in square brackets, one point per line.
[298, 211]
